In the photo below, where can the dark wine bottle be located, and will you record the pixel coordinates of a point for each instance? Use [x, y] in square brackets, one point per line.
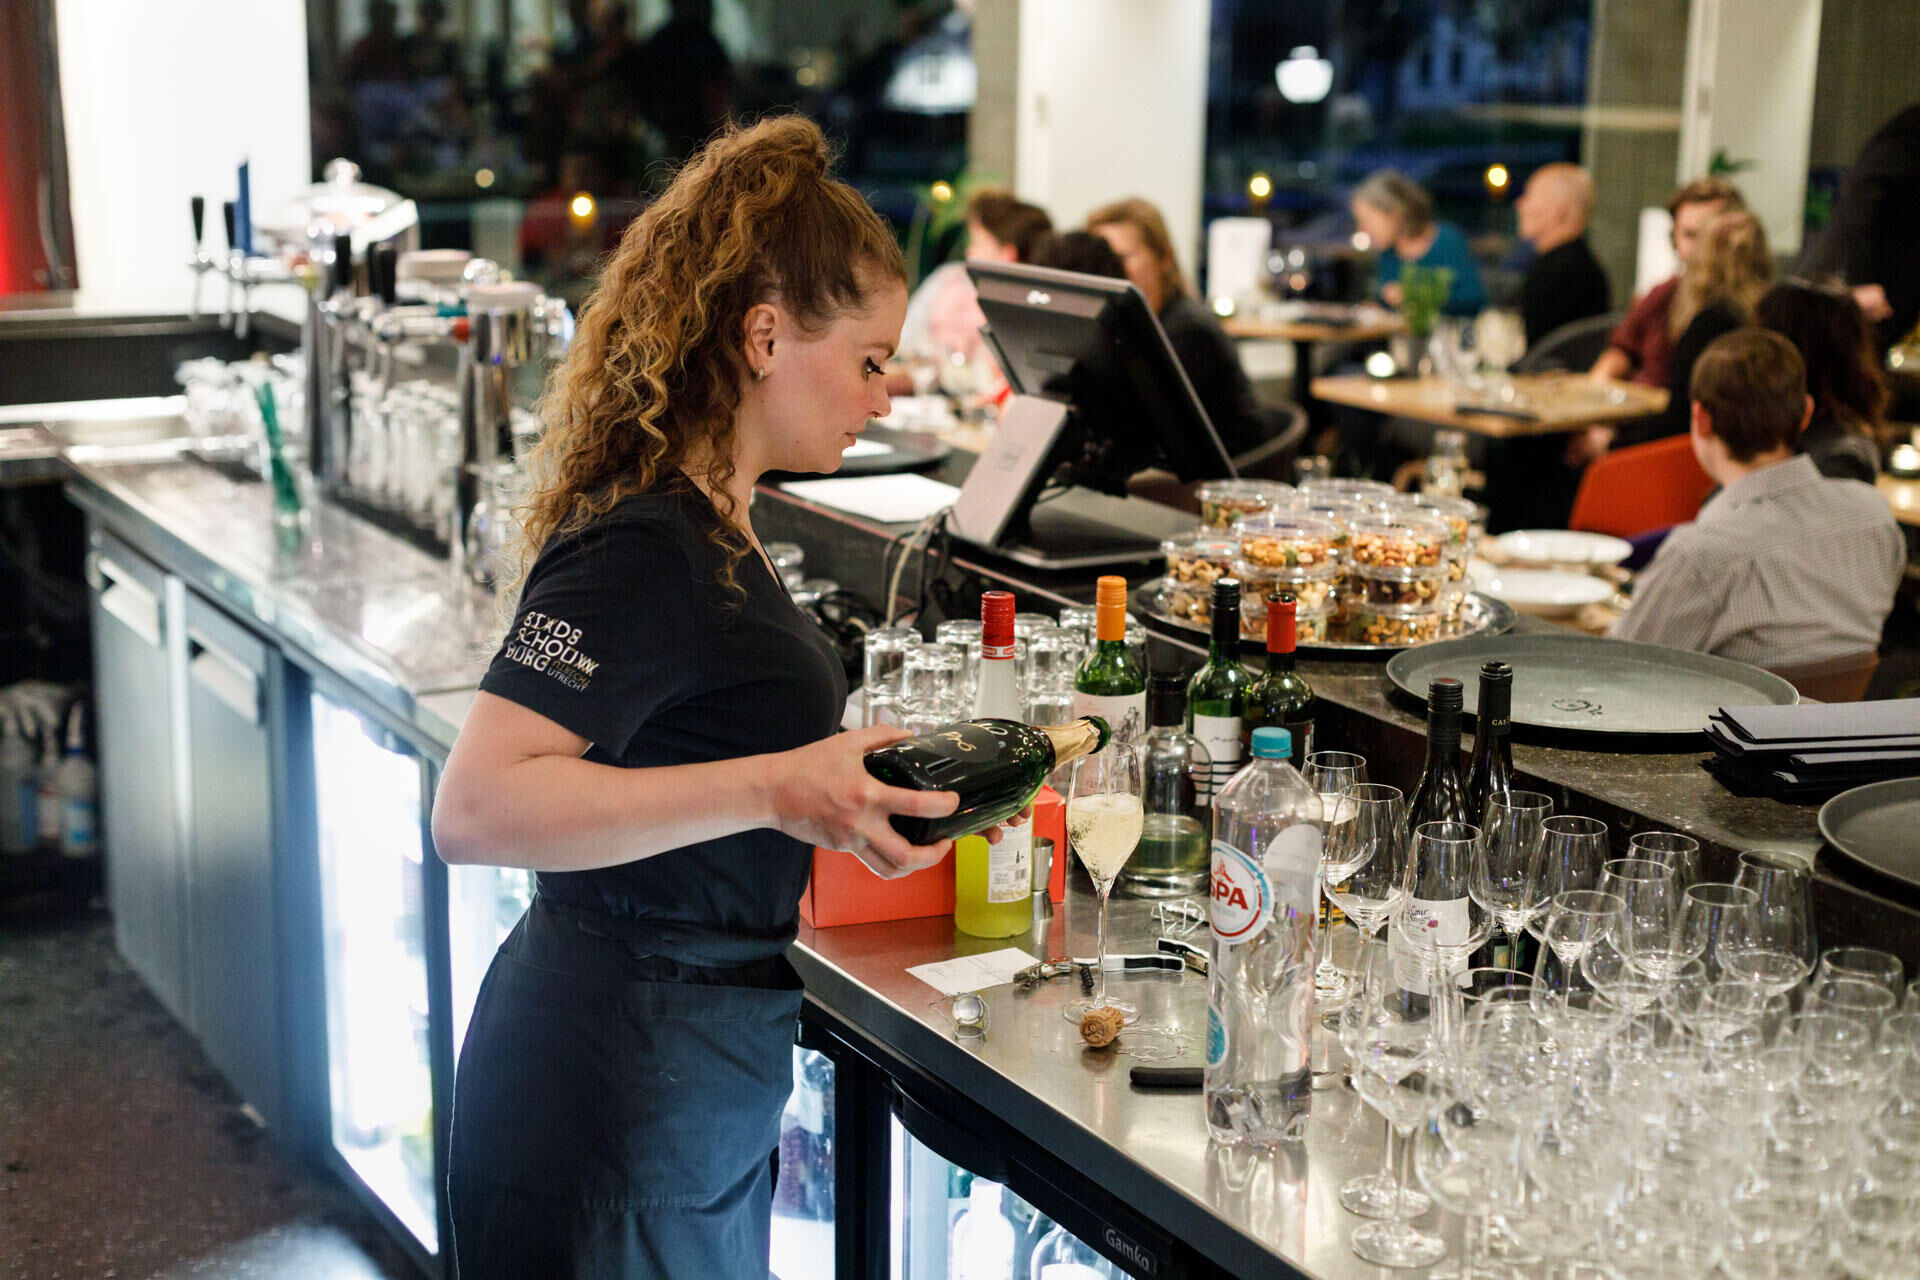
[1216, 696]
[1441, 795]
[997, 766]
[1281, 698]
[1491, 772]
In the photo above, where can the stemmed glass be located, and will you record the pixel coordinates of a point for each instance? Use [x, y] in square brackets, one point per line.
[1331, 773]
[1865, 963]
[1466, 1150]
[1443, 924]
[1564, 994]
[1716, 918]
[1647, 940]
[1780, 953]
[1391, 1044]
[1678, 853]
[1105, 815]
[1368, 875]
[1506, 866]
[1573, 849]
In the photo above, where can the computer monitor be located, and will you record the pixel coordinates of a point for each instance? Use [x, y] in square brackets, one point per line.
[1093, 344]
[1099, 395]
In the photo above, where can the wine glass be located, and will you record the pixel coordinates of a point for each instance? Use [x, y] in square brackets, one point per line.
[1105, 815]
[1442, 924]
[1780, 953]
[1866, 963]
[1650, 935]
[1506, 865]
[1679, 853]
[1390, 1042]
[1563, 993]
[1331, 773]
[1715, 918]
[1465, 1153]
[1574, 847]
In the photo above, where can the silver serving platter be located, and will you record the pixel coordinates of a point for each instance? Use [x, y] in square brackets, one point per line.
[1479, 616]
[1571, 683]
[1874, 826]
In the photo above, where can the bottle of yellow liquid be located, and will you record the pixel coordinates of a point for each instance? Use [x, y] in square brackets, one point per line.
[991, 890]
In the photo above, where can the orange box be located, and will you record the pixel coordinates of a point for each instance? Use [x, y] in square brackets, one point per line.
[843, 891]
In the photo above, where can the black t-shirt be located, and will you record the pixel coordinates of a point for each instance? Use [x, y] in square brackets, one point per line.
[626, 637]
[1566, 283]
[1711, 323]
[1213, 367]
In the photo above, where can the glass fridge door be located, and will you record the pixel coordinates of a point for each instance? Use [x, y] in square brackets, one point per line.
[804, 1243]
[372, 885]
[949, 1223]
[483, 905]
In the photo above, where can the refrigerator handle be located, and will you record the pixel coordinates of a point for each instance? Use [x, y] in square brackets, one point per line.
[123, 596]
[949, 1140]
[224, 676]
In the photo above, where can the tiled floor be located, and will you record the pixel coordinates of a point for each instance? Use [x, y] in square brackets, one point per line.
[122, 1154]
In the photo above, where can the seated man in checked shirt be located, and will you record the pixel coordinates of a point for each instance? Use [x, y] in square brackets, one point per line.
[1782, 566]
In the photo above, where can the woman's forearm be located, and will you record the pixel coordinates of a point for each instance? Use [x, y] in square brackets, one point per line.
[554, 813]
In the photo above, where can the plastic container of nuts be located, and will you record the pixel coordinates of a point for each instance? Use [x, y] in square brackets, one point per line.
[1370, 493]
[1312, 587]
[1373, 587]
[1310, 621]
[1466, 523]
[1194, 560]
[1224, 502]
[1395, 625]
[1290, 542]
[1404, 541]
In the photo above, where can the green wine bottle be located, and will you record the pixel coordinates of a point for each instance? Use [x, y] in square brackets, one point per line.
[1111, 683]
[996, 766]
[1281, 698]
[1216, 696]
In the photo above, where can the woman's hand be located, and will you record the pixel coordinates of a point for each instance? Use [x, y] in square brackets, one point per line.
[823, 794]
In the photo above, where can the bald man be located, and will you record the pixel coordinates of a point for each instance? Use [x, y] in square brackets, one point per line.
[1565, 282]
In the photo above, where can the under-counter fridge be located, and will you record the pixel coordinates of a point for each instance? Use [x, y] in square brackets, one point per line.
[379, 893]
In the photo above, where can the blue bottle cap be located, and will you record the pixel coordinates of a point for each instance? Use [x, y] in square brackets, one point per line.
[1272, 744]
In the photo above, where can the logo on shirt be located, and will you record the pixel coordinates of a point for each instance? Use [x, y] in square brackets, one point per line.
[542, 642]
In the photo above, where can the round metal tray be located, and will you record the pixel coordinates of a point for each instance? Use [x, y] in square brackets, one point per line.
[1479, 616]
[1874, 826]
[1572, 683]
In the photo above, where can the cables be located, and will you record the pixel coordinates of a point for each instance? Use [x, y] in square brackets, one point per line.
[919, 538]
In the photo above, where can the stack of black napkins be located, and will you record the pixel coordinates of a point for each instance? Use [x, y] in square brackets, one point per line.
[1815, 750]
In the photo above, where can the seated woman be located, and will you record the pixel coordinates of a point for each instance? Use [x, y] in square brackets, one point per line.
[1395, 213]
[1137, 233]
[1730, 269]
[1080, 251]
[1849, 397]
[943, 315]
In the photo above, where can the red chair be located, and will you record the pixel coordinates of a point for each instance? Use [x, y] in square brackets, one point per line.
[1640, 488]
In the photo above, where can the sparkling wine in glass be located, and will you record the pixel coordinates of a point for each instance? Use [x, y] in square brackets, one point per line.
[1105, 815]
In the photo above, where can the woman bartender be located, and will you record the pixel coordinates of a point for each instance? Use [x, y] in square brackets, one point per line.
[655, 738]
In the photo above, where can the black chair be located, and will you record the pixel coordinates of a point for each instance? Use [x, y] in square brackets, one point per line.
[1572, 346]
[1273, 459]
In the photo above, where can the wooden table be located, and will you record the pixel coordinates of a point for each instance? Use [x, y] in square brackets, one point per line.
[1370, 325]
[1559, 402]
[1904, 496]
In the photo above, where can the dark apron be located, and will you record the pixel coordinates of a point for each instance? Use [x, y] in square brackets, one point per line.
[616, 1114]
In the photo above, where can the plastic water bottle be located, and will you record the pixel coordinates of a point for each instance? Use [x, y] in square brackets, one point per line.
[17, 827]
[1266, 859]
[78, 784]
[982, 1244]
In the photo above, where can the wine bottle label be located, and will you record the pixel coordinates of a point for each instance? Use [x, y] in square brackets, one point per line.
[1010, 865]
[1302, 731]
[1242, 896]
[1220, 735]
[1125, 713]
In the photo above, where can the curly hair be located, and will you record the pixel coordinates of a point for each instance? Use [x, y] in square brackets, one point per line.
[1731, 266]
[653, 380]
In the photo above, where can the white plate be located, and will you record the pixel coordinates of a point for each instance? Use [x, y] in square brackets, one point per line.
[1560, 546]
[1546, 593]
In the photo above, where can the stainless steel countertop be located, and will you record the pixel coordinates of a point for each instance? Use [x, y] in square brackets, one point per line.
[366, 605]
[1149, 1148]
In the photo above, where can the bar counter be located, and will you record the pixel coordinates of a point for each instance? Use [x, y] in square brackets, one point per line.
[371, 611]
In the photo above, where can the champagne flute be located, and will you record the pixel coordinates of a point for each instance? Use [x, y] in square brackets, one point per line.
[1105, 815]
[1331, 774]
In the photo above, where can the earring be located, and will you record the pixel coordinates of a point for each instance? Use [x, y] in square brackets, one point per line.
[759, 374]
